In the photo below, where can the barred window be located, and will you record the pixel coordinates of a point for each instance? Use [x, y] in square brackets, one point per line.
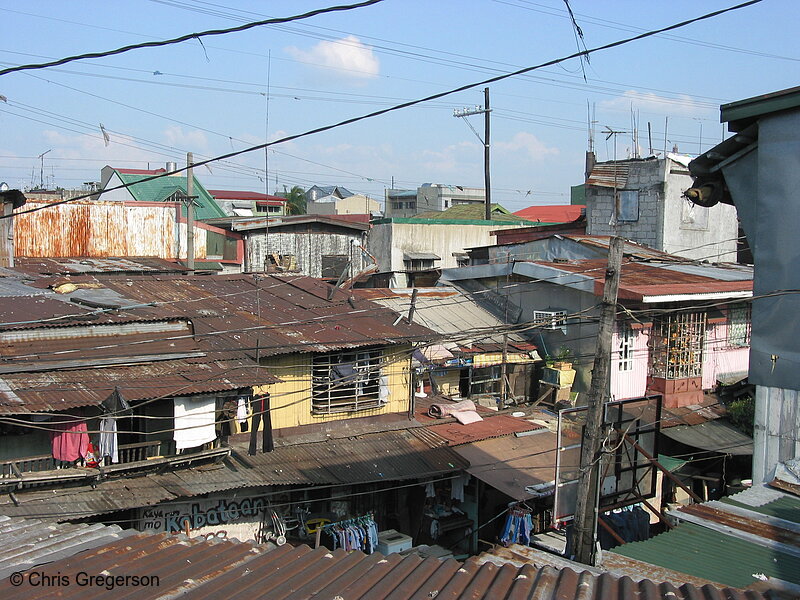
[625, 348]
[347, 382]
[739, 325]
[676, 345]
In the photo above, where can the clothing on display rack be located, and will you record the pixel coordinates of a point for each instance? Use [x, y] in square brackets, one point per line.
[518, 526]
[360, 533]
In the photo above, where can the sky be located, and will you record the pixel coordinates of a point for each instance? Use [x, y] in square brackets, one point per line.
[230, 92]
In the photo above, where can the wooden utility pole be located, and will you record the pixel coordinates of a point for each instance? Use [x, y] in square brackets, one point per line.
[586, 509]
[189, 212]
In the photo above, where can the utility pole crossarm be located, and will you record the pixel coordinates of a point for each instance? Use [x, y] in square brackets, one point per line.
[481, 110]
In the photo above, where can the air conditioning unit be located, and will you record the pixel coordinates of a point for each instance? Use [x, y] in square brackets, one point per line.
[551, 319]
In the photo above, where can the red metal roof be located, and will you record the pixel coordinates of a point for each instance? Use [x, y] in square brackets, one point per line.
[490, 427]
[552, 213]
[245, 195]
[195, 569]
[639, 280]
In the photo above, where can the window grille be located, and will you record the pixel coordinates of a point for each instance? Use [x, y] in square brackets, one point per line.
[551, 319]
[625, 348]
[739, 325]
[346, 382]
[676, 342]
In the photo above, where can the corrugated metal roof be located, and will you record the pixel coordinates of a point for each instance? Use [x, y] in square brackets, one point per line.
[384, 456]
[641, 281]
[609, 174]
[30, 542]
[491, 427]
[716, 436]
[552, 213]
[510, 464]
[713, 555]
[449, 312]
[62, 266]
[195, 569]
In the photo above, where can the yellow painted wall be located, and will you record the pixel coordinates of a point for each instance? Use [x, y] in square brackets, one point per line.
[291, 399]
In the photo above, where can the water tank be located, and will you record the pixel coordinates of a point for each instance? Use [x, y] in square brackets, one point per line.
[171, 166]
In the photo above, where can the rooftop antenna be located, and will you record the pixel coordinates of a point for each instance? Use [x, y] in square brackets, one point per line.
[41, 168]
[613, 133]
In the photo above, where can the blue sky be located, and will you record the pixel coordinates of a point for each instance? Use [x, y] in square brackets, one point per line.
[211, 98]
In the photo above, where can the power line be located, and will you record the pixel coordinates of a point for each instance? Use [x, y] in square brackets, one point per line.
[189, 36]
[436, 96]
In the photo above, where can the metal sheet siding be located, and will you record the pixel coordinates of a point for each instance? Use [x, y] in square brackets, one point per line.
[307, 247]
[103, 229]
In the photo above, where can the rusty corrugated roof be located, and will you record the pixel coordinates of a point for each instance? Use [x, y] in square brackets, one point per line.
[195, 569]
[384, 456]
[609, 174]
[639, 280]
[490, 427]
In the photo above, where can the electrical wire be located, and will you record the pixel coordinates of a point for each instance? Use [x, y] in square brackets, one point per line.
[190, 36]
[408, 104]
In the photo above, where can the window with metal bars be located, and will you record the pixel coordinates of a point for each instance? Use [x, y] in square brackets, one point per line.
[346, 381]
[625, 348]
[676, 345]
[739, 325]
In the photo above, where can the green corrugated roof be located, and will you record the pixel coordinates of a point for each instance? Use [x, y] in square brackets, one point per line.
[160, 189]
[670, 463]
[470, 212]
[786, 507]
[705, 553]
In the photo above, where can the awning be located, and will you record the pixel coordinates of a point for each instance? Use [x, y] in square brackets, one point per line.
[510, 464]
[421, 256]
[716, 436]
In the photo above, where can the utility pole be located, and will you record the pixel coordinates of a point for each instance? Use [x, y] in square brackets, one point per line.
[189, 212]
[586, 508]
[485, 110]
[41, 168]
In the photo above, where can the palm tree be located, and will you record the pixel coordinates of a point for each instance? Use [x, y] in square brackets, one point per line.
[295, 200]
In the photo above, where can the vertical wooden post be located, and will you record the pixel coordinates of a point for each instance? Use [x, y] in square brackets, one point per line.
[586, 509]
[190, 212]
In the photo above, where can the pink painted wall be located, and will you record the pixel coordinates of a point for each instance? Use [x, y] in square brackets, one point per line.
[719, 358]
[630, 384]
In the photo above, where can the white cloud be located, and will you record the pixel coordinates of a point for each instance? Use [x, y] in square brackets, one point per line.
[193, 140]
[650, 102]
[348, 56]
[527, 144]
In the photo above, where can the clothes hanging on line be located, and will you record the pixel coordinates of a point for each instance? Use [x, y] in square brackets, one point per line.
[69, 440]
[360, 533]
[457, 486]
[108, 439]
[518, 527]
[194, 421]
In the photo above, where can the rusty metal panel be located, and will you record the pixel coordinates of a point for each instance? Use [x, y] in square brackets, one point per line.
[609, 174]
[198, 569]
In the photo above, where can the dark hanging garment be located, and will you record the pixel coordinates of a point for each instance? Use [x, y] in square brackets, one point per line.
[261, 412]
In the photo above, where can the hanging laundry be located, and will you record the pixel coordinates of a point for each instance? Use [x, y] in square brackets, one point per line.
[69, 439]
[108, 439]
[518, 527]
[194, 421]
[360, 533]
[241, 410]
[457, 486]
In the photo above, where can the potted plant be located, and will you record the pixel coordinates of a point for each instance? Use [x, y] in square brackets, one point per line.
[558, 368]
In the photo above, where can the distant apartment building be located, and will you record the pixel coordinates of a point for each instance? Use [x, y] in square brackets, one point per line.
[430, 197]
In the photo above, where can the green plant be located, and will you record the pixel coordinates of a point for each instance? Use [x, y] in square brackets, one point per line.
[295, 200]
[741, 413]
[562, 355]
